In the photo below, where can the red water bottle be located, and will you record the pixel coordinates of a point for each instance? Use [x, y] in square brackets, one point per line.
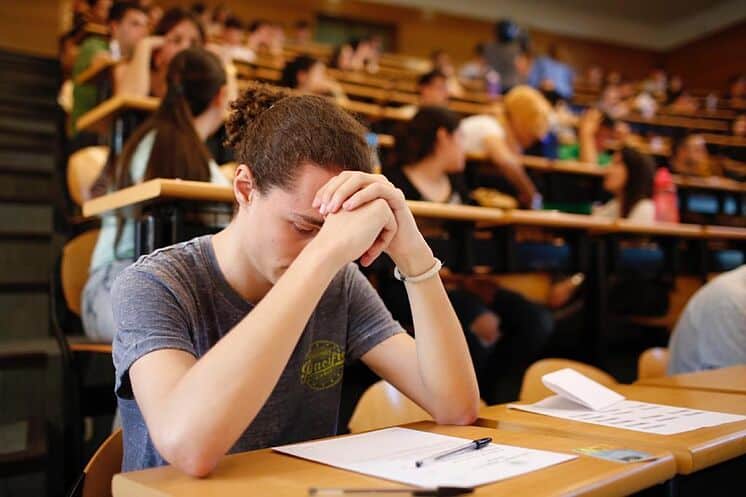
[665, 197]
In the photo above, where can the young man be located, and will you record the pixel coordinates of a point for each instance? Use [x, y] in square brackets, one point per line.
[128, 23]
[238, 341]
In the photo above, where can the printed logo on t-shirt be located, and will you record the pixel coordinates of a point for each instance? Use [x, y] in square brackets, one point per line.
[323, 366]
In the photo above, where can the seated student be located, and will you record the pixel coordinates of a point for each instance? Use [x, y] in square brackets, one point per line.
[503, 137]
[442, 62]
[711, 332]
[306, 74]
[507, 335]
[595, 131]
[550, 75]
[477, 68]
[271, 308]
[630, 179]
[342, 57]
[170, 144]
[145, 74]
[366, 54]
[260, 36]
[233, 41]
[128, 24]
[302, 33]
[690, 157]
[98, 11]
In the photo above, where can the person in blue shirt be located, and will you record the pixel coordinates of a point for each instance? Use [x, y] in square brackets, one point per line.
[553, 77]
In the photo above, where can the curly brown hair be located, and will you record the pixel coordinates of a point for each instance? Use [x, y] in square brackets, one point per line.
[275, 131]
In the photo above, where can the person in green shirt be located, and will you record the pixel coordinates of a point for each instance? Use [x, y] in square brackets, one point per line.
[595, 131]
[128, 24]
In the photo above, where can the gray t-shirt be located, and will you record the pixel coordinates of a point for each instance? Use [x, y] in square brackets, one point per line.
[177, 298]
[711, 332]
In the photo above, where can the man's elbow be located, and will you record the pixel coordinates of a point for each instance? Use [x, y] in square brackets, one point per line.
[465, 413]
[182, 452]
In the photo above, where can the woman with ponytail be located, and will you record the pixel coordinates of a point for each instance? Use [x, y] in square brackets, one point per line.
[170, 144]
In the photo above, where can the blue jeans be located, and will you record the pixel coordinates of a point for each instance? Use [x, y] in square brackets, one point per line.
[97, 314]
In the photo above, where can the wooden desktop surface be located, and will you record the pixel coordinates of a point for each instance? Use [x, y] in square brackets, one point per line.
[265, 472]
[693, 450]
[99, 118]
[93, 72]
[725, 380]
[200, 191]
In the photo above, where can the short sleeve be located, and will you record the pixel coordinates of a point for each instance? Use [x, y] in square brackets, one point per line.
[643, 211]
[369, 322]
[148, 317]
[474, 129]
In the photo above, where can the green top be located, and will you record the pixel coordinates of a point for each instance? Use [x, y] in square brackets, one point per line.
[572, 152]
[84, 96]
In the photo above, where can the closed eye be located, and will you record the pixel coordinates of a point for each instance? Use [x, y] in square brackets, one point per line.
[304, 229]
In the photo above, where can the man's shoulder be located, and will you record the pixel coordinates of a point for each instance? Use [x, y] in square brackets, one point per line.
[173, 266]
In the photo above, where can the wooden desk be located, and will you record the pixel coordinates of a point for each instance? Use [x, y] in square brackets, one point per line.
[99, 118]
[207, 192]
[724, 380]
[693, 450]
[94, 72]
[268, 473]
[678, 122]
[715, 183]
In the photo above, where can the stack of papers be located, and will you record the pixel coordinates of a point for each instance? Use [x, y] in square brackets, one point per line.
[581, 399]
[391, 454]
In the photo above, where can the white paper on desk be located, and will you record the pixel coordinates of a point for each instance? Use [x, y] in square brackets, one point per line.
[391, 454]
[575, 400]
[574, 386]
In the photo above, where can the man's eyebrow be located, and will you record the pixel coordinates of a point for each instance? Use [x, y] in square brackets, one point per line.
[310, 219]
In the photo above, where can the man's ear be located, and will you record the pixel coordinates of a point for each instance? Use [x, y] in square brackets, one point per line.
[220, 100]
[441, 137]
[243, 185]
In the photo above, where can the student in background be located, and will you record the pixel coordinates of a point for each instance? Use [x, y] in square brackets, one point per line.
[442, 62]
[98, 11]
[502, 137]
[690, 157]
[596, 131]
[302, 33]
[306, 74]
[272, 307]
[711, 332]
[260, 36]
[630, 179]
[552, 76]
[342, 57]
[503, 53]
[128, 25]
[505, 335]
[233, 41]
[145, 74]
[170, 144]
[477, 68]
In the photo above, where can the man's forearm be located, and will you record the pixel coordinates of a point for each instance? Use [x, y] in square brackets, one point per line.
[444, 361]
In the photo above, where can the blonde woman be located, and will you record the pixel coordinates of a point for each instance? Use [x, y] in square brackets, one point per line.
[503, 136]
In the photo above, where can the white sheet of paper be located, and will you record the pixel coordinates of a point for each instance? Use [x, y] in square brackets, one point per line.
[632, 415]
[391, 454]
[574, 386]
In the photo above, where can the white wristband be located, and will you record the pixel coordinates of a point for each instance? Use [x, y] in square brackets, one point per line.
[420, 277]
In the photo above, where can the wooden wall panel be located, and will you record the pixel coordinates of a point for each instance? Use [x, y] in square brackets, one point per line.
[419, 33]
[710, 61]
[30, 27]
[33, 27]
